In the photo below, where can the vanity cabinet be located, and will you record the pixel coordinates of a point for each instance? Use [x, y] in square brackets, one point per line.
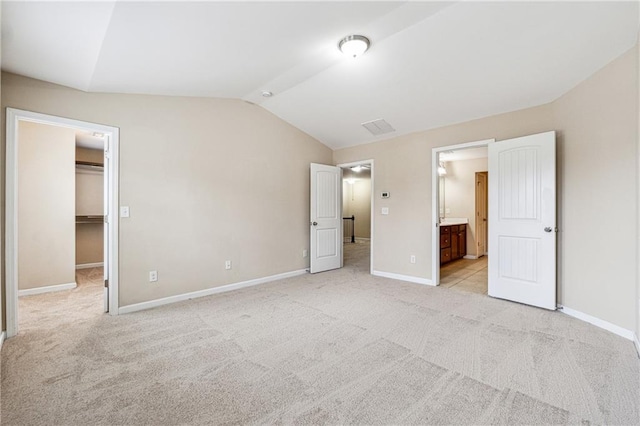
[453, 242]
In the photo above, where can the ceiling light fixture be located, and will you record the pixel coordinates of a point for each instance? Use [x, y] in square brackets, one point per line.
[357, 168]
[267, 94]
[354, 45]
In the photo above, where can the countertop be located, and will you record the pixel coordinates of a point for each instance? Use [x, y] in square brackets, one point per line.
[449, 221]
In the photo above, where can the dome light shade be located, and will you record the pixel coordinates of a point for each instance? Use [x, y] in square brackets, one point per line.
[354, 45]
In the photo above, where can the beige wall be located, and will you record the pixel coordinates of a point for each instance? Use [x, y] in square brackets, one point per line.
[597, 189]
[2, 151]
[597, 125]
[460, 194]
[638, 201]
[46, 203]
[89, 187]
[89, 243]
[357, 201]
[206, 180]
[91, 155]
[403, 167]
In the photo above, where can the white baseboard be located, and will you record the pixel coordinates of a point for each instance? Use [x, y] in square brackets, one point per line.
[362, 239]
[47, 289]
[470, 256]
[90, 265]
[615, 329]
[2, 337]
[207, 292]
[400, 277]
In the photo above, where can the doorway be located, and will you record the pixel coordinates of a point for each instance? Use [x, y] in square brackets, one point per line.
[26, 214]
[463, 265]
[357, 213]
[482, 213]
[457, 263]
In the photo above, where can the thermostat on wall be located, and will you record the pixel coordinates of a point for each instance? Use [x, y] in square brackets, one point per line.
[386, 194]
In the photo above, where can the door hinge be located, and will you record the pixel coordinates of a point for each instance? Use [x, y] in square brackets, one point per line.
[106, 218]
[106, 283]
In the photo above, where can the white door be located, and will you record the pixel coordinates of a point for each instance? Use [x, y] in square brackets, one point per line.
[326, 218]
[105, 233]
[522, 220]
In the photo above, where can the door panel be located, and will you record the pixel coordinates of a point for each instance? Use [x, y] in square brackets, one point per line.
[326, 218]
[522, 220]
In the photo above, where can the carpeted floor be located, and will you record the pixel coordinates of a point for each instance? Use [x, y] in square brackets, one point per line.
[331, 348]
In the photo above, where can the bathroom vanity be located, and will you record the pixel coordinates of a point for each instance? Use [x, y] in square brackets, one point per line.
[453, 240]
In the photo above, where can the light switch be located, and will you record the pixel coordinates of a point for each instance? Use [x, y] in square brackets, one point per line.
[124, 211]
[385, 210]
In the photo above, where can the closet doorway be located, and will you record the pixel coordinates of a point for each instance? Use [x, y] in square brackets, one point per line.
[42, 217]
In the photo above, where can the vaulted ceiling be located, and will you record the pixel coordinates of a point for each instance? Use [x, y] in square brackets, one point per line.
[430, 64]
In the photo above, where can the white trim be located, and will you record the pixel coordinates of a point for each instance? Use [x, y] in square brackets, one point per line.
[11, 204]
[373, 198]
[362, 239]
[435, 202]
[400, 277]
[615, 329]
[470, 256]
[2, 337]
[208, 292]
[637, 343]
[90, 265]
[47, 289]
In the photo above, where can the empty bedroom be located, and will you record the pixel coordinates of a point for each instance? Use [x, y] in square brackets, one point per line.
[358, 212]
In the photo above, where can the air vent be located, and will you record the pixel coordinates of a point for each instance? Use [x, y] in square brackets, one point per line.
[378, 127]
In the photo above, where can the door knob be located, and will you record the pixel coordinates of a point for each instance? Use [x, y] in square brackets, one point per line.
[314, 223]
[548, 229]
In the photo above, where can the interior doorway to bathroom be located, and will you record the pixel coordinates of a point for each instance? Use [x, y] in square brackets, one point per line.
[462, 218]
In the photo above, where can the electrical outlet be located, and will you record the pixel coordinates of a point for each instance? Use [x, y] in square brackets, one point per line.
[227, 264]
[413, 259]
[153, 276]
[305, 253]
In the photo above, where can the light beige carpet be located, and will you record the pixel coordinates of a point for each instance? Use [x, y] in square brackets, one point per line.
[332, 348]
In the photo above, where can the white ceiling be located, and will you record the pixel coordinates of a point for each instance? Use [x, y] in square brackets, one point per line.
[430, 64]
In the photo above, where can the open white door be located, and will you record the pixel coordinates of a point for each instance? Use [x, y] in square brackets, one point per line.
[105, 234]
[522, 220]
[326, 218]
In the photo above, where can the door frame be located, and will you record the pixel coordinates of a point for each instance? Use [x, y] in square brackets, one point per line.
[371, 233]
[111, 174]
[435, 201]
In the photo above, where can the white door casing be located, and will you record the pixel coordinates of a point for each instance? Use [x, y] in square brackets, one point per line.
[522, 220]
[105, 240]
[326, 218]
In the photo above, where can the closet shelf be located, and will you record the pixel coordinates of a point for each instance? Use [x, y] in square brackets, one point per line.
[90, 219]
[89, 165]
